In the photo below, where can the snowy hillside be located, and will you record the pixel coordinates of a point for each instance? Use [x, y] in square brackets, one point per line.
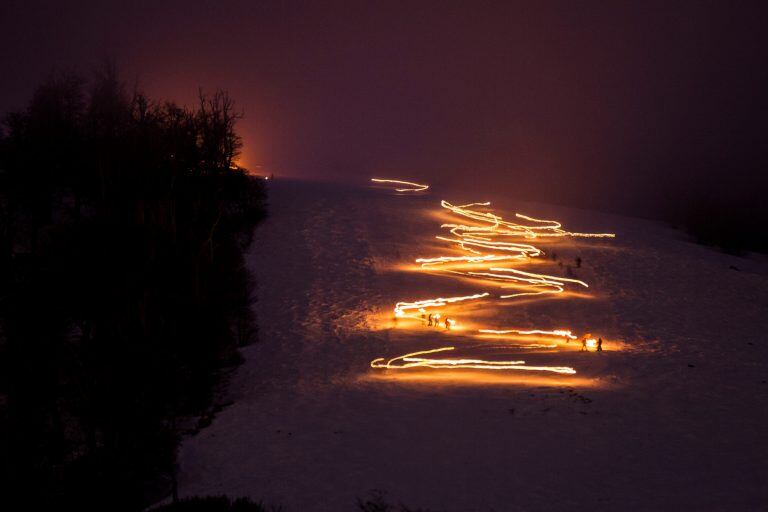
[672, 415]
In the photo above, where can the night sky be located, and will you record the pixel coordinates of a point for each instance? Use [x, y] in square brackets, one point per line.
[613, 105]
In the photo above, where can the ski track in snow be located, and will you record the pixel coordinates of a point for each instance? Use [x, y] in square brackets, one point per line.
[311, 427]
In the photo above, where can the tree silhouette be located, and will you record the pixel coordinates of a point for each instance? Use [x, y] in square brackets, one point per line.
[123, 224]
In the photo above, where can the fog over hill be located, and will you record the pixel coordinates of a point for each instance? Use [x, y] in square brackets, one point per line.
[646, 108]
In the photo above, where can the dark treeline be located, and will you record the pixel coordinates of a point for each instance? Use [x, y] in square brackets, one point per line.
[732, 220]
[123, 291]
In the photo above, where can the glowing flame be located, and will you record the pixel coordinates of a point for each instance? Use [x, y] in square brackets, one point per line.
[411, 187]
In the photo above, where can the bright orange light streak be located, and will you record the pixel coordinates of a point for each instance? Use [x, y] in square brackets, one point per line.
[522, 249]
[542, 278]
[502, 227]
[532, 294]
[557, 332]
[413, 187]
[484, 241]
[401, 307]
[427, 262]
[412, 361]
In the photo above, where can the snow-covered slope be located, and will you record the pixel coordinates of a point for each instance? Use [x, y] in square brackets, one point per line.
[673, 416]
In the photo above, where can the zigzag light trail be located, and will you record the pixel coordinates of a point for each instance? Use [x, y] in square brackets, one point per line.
[488, 241]
[499, 227]
[427, 262]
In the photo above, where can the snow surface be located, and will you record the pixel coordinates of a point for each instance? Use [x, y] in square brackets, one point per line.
[671, 417]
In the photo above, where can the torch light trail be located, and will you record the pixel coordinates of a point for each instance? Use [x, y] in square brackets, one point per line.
[499, 227]
[410, 186]
[523, 250]
[401, 307]
[488, 244]
[562, 333]
[534, 333]
[413, 360]
[510, 274]
[427, 262]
